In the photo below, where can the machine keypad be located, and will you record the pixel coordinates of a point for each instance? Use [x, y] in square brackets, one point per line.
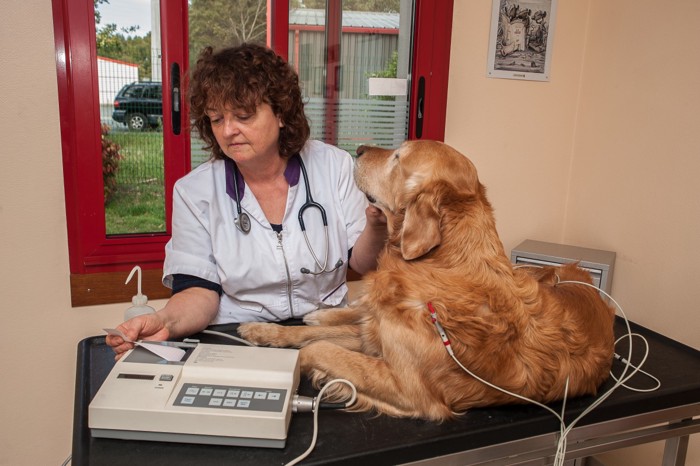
[227, 397]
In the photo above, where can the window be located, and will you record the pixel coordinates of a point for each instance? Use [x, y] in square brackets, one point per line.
[99, 258]
[101, 249]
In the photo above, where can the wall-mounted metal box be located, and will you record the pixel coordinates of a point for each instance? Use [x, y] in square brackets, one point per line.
[598, 263]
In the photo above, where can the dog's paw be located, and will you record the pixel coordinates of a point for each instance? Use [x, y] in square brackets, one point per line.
[317, 377]
[339, 392]
[313, 317]
[261, 334]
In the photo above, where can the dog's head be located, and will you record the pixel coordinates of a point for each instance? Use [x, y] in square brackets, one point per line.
[413, 185]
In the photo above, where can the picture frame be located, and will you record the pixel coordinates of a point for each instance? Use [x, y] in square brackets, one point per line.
[520, 42]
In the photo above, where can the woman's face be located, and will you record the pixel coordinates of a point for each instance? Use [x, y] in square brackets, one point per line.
[245, 136]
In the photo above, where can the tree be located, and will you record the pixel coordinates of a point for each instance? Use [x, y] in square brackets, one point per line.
[98, 16]
[226, 23]
[123, 45]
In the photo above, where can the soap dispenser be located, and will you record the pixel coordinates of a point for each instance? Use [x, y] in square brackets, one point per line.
[139, 301]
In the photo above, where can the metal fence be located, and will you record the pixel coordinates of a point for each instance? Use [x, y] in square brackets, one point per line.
[353, 122]
[347, 124]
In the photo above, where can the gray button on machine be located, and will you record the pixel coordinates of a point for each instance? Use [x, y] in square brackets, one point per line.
[228, 397]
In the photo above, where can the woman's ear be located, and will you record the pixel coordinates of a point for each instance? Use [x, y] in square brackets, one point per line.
[420, 232]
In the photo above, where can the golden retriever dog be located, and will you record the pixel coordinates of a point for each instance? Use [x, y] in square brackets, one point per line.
[519, 329]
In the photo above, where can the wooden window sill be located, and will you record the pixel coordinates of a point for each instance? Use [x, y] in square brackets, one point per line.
[107, 288]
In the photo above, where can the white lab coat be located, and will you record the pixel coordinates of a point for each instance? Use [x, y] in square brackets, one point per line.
[260, 272]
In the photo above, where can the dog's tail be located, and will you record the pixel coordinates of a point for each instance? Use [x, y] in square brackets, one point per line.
[553, 274]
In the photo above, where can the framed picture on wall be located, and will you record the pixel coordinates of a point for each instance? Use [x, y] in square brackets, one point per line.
[520, 43]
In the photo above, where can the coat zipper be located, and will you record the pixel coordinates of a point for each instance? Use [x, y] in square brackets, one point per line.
[289, 278]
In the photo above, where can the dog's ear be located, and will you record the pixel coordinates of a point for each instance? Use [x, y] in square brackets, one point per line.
[420, 231]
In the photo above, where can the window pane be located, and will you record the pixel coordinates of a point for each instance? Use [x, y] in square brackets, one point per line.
[353, 65]
[131, 111]
[219, 24]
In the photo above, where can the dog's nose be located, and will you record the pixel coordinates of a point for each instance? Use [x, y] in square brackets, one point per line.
[360, 150]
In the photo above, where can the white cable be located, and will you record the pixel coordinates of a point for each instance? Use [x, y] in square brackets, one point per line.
[226, 335]
[559, 460]
[316, 405]
[564, 429]
[624, 361]
[316, 409]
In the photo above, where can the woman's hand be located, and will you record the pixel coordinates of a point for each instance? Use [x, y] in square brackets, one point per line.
[186, 313]
[376, 219]
[370, 242]
[143, 327]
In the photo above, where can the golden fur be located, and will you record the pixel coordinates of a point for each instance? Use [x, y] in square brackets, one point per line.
[516, 328]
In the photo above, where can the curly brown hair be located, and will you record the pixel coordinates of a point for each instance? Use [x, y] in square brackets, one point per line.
[244, 77]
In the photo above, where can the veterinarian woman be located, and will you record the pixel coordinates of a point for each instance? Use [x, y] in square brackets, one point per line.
[265, 230]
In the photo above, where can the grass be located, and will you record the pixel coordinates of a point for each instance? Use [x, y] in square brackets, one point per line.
[138, 203]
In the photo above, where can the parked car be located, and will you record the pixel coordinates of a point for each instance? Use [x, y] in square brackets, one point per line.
[139, 105]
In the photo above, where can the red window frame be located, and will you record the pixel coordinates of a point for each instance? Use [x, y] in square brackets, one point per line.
[432, 37]
[97, 262]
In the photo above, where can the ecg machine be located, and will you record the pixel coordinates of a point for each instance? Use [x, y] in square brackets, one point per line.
[216, 394]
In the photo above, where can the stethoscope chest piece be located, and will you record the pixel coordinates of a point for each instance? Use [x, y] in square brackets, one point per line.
[243, 222]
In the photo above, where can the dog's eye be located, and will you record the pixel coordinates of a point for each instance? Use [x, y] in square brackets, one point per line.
[396, 155]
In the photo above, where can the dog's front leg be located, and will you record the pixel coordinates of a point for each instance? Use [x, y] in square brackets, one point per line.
[266, 334]
[376, 384]
[335, 316]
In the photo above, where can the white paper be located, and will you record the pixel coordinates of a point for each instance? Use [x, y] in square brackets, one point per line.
[115, 332]
[169, 353]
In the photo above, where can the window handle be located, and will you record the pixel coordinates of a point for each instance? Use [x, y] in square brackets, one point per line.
[419, 107]
[175, 95]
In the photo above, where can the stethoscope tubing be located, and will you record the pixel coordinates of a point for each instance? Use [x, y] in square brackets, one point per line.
[243, 220]
[309, 200]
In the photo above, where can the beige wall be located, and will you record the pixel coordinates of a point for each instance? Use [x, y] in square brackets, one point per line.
[636, 161]
[601, 156]
[604, 155]
[40, 330]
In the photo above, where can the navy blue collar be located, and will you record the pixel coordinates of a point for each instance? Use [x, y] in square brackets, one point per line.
[291, 174]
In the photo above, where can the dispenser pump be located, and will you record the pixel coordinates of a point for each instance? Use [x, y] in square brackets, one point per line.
[139, 302]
